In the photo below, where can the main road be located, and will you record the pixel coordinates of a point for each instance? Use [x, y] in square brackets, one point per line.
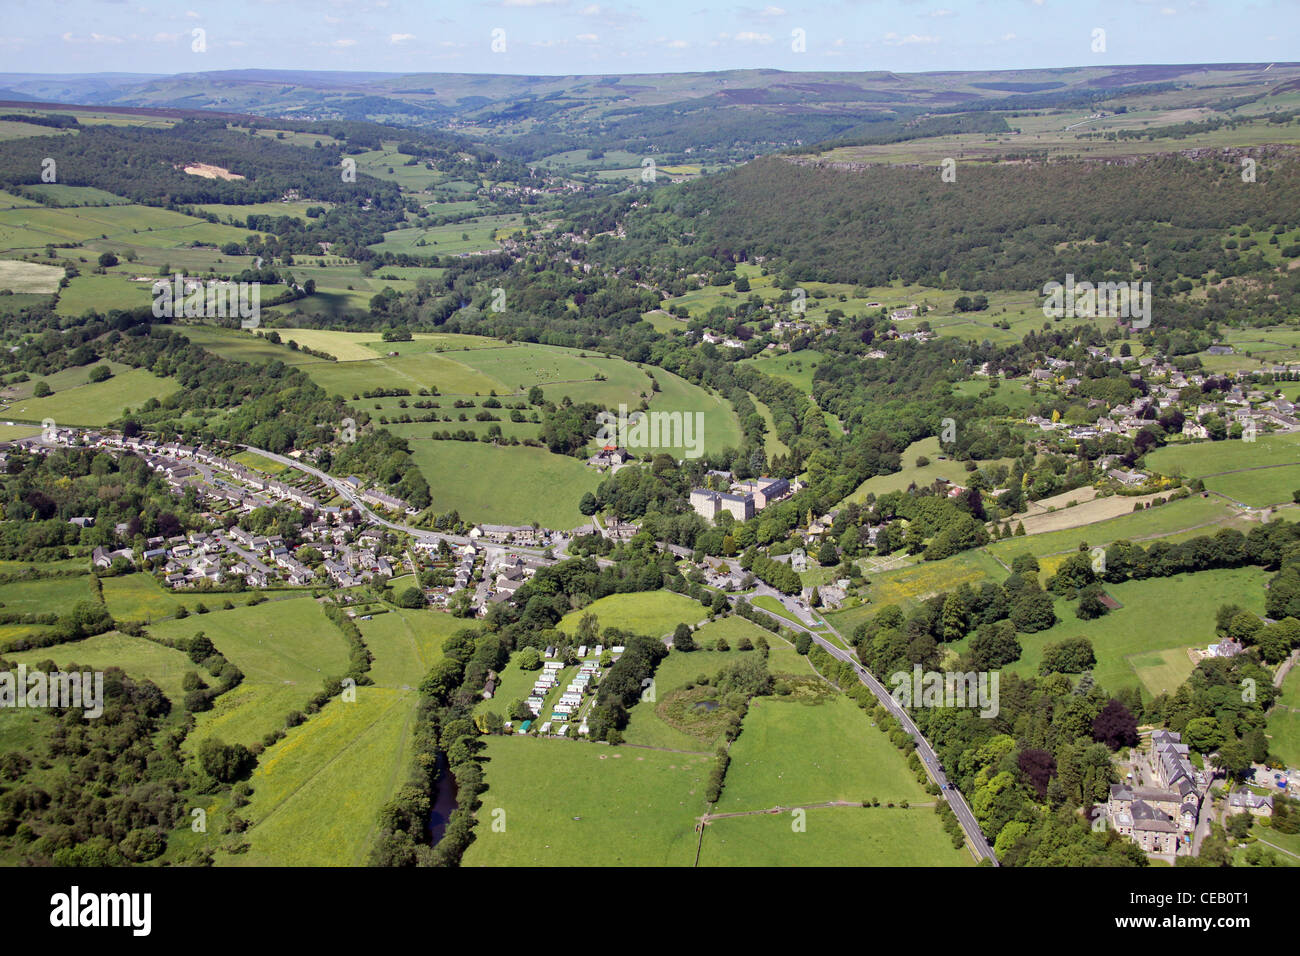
[950, 793]
[974, 835]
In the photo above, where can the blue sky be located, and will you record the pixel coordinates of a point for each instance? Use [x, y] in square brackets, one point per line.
[625, 36]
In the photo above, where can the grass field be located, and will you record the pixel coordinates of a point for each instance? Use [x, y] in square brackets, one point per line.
[792, 753]
[647, 725]
[45, 595]
[286, 641]
[140, 658]
[138, 597]
[102, 293]
[29, 276]
[1203, 515]
[833, 836]
[911, 584]
[33, 228]
[1259, 473]
[95, 404]
[1284, 721]
[406, 644]
[285, 648]
[921, 475]
[1139, 645]
[653, 613]
[567, 803]
[317, 793]
[795, 367]
[505, 485]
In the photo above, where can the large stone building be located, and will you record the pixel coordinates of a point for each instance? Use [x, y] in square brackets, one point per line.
[1160, 819]
[710, 504]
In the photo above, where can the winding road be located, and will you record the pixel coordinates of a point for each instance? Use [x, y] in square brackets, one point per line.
[976, 840]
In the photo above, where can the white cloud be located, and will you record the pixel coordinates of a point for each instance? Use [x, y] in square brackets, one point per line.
[942, 13]
[893, 39]
[588, 37]
[749, 36]
[401, 37]
[92, 38]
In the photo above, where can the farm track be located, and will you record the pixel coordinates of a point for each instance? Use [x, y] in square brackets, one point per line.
[710, 817]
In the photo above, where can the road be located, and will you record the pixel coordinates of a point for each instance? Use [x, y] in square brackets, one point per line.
[420, 534]
[956, 801]
[975, 837]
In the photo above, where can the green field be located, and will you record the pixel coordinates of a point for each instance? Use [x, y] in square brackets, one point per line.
[95, 404]
[45, 595]
[1284, 721]
[1139, 645]
[647, 720]
[920, 475]
[501, 485]
[1194, 515]
[138, 597]
[1259, 473]
[286, 641]
[406, 644]
[792, 753]
[140, 658]
[102, 293]
[653, 613]
[568, 803]
[795, 367]
[833, 836]
[472, 235]
[29, 277]
[316, 793]
[285, 649]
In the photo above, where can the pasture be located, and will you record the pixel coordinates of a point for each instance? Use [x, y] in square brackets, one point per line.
[792, 753]
[653, 613]
[95, 404]
[139, 657]
[567, 803]
[833, 836]
[317, 793]
[505, 485]
[1138, 645]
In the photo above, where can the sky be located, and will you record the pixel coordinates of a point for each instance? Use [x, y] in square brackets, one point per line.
[561, 37]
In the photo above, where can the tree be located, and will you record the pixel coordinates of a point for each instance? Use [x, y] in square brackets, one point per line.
[1039, 766]
[411, 597]
[1090, 604]
[1074, 655]
[224, 763]
[100, 373]
[529, 659]
[682, 638]
[993, 646]
[201, 648]
[1204, 734]
[42, 390]
[827, 555]
[1115, 726]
